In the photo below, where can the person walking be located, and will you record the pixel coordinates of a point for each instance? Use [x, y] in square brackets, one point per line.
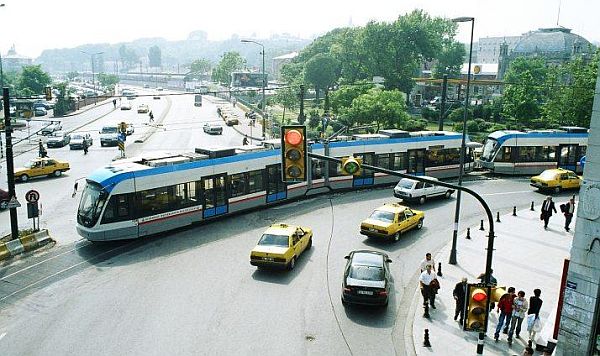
[547, 208]
[151, 116]
[115, 103]
[535, 304]
[427, 261]
[42, 150]
[505, 309]
[85, 146]
[245, 141]
[426, 283]
[568, 212]
[520, 307]
[459, 293]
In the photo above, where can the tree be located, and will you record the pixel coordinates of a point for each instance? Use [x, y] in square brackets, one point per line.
[107, 80]
[230, 62]
[342, 97]
[128, 56]
[450, 60]
[383, 107]
[33, 80]
[321, 71]
[63, 101]
[288, 98]
[154, 56]
[523, 95]
[200, 66]
[72, 75]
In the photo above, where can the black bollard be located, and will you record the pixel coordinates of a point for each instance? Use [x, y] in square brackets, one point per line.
[439, 272]
[514, 211]
[481, 226]
[498, 216]
[426, 310]
[468, 233]
[532, 209]
[426, 342]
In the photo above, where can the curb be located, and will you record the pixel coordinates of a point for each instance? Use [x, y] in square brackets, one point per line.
[152, 128]
[24, 244]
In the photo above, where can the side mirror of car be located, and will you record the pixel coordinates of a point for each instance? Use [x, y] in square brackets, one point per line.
[388, 260]
[347, 257]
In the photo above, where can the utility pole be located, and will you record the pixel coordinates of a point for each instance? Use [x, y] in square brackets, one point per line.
[10, 168]
[443, 102]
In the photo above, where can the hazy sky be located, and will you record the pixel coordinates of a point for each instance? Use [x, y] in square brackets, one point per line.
[34, 25]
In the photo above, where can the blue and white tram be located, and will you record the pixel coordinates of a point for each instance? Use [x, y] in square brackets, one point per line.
[142, 196]
[531, 152]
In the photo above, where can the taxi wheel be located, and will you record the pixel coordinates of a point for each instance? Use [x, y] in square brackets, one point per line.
[24, 178]
[420, 224]
[292, 263]
[396, 237]
[557, 189]
[309, 244]
[448, 194]
[422, 199]
[57, 173]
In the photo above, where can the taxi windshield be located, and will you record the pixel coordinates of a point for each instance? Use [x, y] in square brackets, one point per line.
[274, 240]
[382, 215]
[31, 164]
[548, 175]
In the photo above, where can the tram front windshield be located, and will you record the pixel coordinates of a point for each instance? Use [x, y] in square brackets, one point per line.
[91, 204]
[489, 149]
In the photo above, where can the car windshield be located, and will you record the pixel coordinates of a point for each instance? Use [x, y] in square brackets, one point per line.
[405, 183]
[274, 240]
[91, 204]
[382, 215]
[548, 175]
[366, 273]
[109, 130]
[77, 137]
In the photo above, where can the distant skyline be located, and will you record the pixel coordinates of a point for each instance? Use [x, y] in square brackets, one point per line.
[35, 25]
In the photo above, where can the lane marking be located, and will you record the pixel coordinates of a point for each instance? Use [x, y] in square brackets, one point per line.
[506, 193]
[2, 335]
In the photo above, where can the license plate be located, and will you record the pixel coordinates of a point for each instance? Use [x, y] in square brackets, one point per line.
[372, 230]
[364, 292]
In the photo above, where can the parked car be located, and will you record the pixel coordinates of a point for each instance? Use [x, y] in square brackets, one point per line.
[40, 111]
[232, 121]
[143, 109]
[50, 128]
[41, 167]
[413, 190]
[130, 129]
[125, 106]
[281, 245]
[109, 136]
[4, 198]
[556, 180]
[367, 278]
[391, 220]
[58, 139]
[213, 129]
[77, 140]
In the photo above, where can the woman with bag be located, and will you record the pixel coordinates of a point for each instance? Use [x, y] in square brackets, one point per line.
[533, 318]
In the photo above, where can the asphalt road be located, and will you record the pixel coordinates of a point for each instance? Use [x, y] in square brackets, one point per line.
[193, 291]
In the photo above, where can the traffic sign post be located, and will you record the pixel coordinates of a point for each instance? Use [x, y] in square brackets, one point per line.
[121, 142]
[32, 196]
[33, 211]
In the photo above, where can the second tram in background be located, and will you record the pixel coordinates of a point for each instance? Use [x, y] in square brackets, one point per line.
[531, 152]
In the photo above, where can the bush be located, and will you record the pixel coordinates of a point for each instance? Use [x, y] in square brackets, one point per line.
[429, 114]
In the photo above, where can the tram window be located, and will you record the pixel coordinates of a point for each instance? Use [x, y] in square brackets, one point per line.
[435, 158]
[526, 154]
[238, 184]
[383, 160]
[255, 181]
[399, 161]
[185, 195]
[545, 154]
[220, 190]
[504, 154]
[117, 209]
[317, 169]
[453, 156]
[153, 201]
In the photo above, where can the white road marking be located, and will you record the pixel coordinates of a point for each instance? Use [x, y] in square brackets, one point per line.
[505, 193]
[2, 335]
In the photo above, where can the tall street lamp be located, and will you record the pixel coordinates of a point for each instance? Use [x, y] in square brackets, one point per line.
[461, 170]
[264, 83]
[1, 86]
[92, 55]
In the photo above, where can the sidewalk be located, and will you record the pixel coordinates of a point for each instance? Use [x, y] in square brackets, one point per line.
[525, 257]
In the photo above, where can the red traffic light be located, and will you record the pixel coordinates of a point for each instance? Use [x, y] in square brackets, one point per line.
[479, 296]
[293, 137]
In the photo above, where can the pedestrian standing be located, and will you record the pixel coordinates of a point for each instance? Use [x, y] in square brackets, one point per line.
[520, 307]
[427, 291]
[505, 310]
[427, 261]
[547, 209]
[245, 141]
[151, 115]
[568, 212]
[115, 103]
[459, 293]
[535, 304]
[42, 150]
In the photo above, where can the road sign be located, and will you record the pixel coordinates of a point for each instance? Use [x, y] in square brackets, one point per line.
[13, 203]
[32, 196]
[32, 210]
[122, 137]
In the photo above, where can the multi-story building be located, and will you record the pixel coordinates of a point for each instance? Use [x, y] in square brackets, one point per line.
[13, 61]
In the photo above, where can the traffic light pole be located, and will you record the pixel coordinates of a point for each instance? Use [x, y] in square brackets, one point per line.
[10, 167]
[488, 212]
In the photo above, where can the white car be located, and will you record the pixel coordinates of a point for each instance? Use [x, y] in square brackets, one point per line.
[413, 190]
[53, 126]
[125, 106]
[109, 136]
[213, 129]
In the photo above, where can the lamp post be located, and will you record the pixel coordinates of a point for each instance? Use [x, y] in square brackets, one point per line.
[1, 88]
[92, 58]
[461, 169]
[264, 83]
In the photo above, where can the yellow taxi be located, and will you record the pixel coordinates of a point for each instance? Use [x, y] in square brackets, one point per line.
[281, 245]
[556, 180]
[391, 220]
[39, 167]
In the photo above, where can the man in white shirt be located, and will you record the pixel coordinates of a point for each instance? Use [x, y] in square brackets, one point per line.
[428, 261]
[427, 290]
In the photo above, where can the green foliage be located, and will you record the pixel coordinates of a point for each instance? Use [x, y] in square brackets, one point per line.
[321, 71]
[33, 80]
[523, 95]
[63, 102]
[200, 66]
[449, 59]
[128, 56]
[154, 56]
[414, 124]
[343, 96]
[430, 114]
[383, 107]
[293, 73]
[108, 80]
[230, 62]
[72, 75]
[287, 97]
[458, 115]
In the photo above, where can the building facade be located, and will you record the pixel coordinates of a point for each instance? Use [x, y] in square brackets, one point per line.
[13, 62]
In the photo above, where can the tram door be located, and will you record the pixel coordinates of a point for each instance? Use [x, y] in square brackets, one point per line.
[214, 196]
[416, 162]
[276, 189]
[567, 157]
[366, 176]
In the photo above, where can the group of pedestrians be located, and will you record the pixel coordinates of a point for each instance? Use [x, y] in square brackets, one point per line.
[568, 209]
[428, 282]
[513, 309]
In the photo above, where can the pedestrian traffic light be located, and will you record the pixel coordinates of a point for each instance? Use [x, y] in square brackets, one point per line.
[48, 93]
[476, 308]
[293, 153]
[351, 165]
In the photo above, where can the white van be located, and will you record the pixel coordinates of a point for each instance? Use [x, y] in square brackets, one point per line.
[412, 190]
